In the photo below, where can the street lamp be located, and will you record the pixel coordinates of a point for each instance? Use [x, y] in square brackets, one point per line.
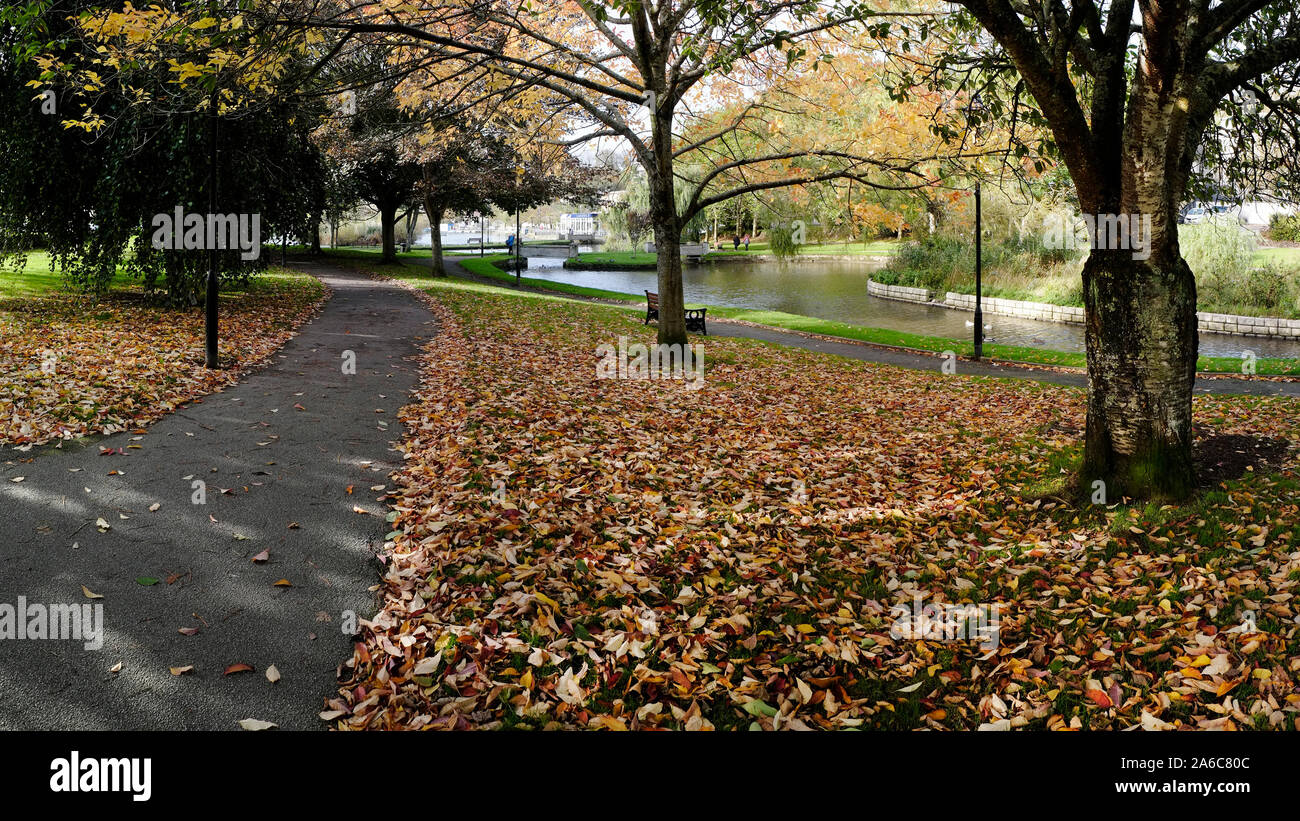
[975, 113]
[979, 285]
[211, 357]
[519, 239]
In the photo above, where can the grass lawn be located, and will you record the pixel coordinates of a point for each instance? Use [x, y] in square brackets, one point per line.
[1288, 257]
[37, 278]
[962, 347]
[569, 551]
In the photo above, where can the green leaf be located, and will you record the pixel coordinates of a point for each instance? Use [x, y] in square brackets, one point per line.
[147, 581]
[759, 708]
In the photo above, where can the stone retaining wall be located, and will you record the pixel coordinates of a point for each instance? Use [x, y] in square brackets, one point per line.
[899, 292]
[1248, 325]
[1014, 307]
[1210, 323]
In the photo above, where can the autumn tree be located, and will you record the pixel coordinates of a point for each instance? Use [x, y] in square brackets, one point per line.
[1133, 92]
[627, 68]
[173, 105]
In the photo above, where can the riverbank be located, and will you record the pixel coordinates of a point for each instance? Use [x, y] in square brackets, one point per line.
[875, 251]
[1232, 276]
[1013, 354]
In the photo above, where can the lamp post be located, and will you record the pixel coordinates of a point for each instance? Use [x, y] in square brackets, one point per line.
[519, 239]
[975, 112]
[211, 357]
[979, 307]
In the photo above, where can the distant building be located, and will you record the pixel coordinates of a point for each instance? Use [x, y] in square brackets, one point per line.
[587, 223]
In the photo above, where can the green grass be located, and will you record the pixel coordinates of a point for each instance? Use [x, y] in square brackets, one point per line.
[38, 278]
[615, 259]
[1289, 257]
[485, 267]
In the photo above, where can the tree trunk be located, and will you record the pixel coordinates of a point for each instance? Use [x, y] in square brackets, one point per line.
[1141, 342]
[315, 236]
[434, 212]
[1141, 312]
[668, 232]
[388, 226]
[668, 248]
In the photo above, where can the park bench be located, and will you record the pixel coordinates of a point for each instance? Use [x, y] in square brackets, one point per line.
[694, 316]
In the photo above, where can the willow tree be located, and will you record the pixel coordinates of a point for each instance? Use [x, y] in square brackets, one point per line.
[1146, 101]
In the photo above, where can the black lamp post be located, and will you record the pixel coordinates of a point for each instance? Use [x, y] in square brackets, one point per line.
[211, 357]
[979, 285]
[974, 121]
[519, 239]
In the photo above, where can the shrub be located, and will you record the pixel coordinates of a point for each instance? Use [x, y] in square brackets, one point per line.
[1012, 269]
[1219, 248]
[1284, 228]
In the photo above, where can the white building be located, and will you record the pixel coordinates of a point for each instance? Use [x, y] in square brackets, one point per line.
[587, 223]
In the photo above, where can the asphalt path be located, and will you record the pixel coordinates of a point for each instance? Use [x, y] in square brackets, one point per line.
[276, 453]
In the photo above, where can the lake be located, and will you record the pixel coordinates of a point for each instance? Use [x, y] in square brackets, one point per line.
[837, 290]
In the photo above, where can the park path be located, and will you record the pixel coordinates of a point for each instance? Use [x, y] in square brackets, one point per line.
[904, 358]
[287, 442]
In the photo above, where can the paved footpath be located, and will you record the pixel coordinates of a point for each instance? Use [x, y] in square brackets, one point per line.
[905, 358]
[287, 442]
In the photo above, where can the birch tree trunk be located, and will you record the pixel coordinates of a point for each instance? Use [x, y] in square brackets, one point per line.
[1141, 332]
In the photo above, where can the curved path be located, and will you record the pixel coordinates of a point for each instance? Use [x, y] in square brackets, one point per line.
[287, 442]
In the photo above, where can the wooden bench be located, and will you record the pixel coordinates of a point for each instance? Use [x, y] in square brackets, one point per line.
[694, 316]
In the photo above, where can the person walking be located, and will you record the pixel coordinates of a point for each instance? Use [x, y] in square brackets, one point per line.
[746, 241]
[735, 242]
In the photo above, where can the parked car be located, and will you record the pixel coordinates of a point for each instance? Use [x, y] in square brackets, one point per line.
[1195, 212]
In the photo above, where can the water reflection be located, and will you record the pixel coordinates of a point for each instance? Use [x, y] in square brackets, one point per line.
[837, 290]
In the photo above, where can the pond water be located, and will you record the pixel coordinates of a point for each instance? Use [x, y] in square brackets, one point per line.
[837, 290]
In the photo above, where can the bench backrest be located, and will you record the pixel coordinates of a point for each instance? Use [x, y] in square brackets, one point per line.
[652, 299]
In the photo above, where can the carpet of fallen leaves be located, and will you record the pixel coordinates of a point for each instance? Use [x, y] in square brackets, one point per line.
[70, 366]
[570, 552]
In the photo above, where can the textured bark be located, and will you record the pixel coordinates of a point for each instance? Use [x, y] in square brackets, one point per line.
[435, 212]
[388, 230]
[1141, 342]
[1141, 314]
[668, 230]
[668, 244]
